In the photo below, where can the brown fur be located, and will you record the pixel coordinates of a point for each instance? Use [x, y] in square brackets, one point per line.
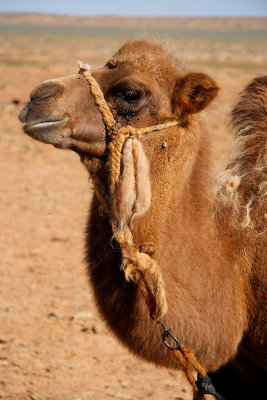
[212, 261]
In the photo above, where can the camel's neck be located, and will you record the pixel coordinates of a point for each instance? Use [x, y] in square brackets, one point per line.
[195, 270]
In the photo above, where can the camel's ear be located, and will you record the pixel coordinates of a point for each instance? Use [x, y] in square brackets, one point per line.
[193, 92]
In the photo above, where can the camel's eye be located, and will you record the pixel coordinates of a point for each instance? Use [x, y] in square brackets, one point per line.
[130, 96]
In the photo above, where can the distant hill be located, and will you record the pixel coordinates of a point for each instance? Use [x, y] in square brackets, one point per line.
[216, 23]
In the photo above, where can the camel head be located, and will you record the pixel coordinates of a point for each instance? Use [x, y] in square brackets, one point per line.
[142, 84]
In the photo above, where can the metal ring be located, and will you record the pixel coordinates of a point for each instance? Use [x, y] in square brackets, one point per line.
[168, 333]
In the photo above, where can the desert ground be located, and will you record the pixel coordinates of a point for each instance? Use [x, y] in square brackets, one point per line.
[53, 345]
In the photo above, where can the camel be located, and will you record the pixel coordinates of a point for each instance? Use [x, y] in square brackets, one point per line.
[207, 236]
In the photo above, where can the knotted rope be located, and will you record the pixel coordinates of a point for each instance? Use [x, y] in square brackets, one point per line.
[128, 197]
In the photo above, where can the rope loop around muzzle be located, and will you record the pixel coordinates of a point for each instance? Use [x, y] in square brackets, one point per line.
[128, 195]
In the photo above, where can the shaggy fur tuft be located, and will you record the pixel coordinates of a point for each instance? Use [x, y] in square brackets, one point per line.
[134, 187]
[242, 187]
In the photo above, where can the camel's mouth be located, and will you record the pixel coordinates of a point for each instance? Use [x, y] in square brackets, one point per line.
[51, 132]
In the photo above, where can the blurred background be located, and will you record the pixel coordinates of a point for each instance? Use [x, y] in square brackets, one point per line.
[53, 346]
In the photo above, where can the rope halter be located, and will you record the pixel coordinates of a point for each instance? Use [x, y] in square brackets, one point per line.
[128, 196]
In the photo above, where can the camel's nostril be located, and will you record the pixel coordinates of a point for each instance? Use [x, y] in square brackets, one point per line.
[23, 114]
[46, 90]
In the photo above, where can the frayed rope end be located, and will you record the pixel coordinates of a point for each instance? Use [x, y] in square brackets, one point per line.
[83, 66]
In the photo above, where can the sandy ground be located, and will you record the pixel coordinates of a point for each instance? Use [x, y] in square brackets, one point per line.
[52, 344]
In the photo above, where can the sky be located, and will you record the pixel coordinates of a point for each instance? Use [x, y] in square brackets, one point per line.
[194, 8]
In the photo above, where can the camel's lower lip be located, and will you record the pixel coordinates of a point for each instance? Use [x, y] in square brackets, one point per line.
[28, 128]
[51, 132]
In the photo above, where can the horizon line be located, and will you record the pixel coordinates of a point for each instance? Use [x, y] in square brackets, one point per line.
[132, 16]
